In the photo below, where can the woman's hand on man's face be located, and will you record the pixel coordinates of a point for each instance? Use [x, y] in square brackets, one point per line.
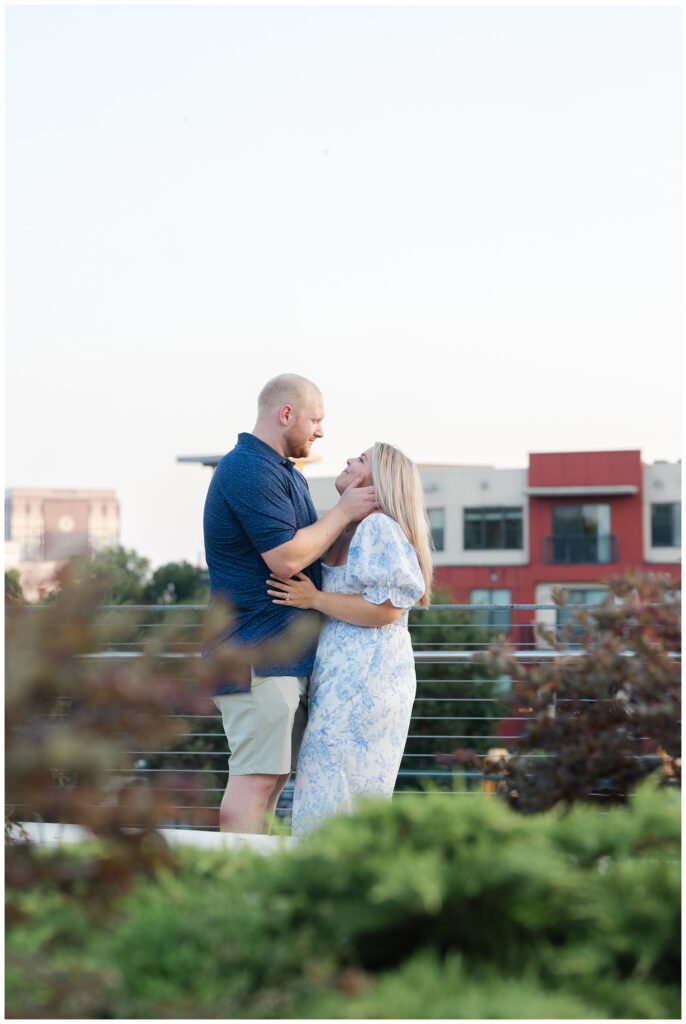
[299, 592]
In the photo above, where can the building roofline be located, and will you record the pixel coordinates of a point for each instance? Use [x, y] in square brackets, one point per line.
[456, 465]
[212, 460]
[593, 451]
[60, 492]
[205, 460]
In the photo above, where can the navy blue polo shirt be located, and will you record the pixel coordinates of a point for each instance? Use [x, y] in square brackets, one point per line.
[256, 501]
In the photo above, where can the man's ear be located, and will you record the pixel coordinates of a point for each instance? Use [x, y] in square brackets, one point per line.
[285, 413]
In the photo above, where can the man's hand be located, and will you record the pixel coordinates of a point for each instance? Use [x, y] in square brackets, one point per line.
[357, 502]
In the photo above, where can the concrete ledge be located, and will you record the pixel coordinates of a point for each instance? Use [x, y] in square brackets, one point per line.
[50, 834]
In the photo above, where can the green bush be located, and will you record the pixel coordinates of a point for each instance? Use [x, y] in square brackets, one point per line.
[431, 734]
[422, 907]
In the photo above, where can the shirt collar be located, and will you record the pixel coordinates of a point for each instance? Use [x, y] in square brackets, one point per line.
[264, 449]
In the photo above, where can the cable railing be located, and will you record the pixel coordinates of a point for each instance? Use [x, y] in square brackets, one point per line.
[462, 702]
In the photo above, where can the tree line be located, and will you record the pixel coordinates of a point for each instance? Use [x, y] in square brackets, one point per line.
[129, 580]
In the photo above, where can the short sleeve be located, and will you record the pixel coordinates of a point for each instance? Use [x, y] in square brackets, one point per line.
[382, 564]
[263, 505]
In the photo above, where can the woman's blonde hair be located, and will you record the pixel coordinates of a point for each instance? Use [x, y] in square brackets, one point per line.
[399, 494]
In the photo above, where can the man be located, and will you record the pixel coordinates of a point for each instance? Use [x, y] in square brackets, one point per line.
[259, 519]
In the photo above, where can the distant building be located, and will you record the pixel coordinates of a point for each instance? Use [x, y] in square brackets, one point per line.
[569, 519]
[45, 527]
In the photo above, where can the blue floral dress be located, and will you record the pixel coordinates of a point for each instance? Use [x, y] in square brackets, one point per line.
[363, 682]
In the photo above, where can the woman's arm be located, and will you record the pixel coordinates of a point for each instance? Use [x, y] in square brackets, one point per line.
[352, 608]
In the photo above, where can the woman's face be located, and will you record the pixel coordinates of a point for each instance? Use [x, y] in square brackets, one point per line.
[357, 469]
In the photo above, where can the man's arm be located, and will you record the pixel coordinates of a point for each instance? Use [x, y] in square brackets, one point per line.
[311, 542]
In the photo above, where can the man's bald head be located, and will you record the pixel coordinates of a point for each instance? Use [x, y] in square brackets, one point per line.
[290, 410]
[286, 389]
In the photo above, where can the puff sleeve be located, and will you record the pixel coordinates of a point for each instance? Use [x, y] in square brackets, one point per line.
[382, 564]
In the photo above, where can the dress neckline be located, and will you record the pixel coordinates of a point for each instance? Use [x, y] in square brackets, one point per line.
[325, 566]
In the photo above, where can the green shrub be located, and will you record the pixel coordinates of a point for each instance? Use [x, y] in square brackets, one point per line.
[421, 907]
[430, 743]
[428, 985]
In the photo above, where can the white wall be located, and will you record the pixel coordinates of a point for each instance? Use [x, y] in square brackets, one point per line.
[454, 488]
[12, 554]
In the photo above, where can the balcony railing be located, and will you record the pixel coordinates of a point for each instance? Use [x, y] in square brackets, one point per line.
[460, 703]
[583, 549]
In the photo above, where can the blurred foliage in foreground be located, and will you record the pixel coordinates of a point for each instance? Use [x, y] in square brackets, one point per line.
[598, 715]
[75, 720]
[422, 907]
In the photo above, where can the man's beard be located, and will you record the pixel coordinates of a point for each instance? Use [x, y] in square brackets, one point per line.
[295, 446]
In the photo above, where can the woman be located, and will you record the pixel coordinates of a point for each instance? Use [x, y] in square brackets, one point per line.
[363, 682]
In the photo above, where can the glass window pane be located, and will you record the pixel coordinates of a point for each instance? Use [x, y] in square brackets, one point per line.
[595, 520]
[589, 519]
[480, 597]
[492, 528]
[582, 533]
[499, 618]
[513, 530]
[603, 549]
[493, 532]
[567, 520]
[472, 530]
[603, 514]
[662, 522]
[676, 529]
[437, 523]
[579, 599]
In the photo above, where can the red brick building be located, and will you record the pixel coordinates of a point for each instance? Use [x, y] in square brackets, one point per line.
[585, 516]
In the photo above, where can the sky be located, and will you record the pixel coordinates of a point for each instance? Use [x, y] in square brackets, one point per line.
[462, 222]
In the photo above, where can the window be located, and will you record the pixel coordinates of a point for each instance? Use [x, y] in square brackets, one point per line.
[498, 617]
[666, 525]
[579, 598]
[437, 523]
[581, 533]
[30, 540]
[487, 529]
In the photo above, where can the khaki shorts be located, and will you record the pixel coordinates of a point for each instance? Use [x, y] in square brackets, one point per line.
[264, 726]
